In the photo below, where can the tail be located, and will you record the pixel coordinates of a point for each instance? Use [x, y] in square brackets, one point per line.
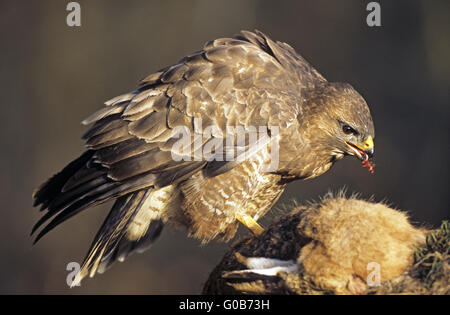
[82, 184]
[112, 242]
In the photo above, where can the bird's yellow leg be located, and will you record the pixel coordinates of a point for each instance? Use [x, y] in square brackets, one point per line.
[250, 223]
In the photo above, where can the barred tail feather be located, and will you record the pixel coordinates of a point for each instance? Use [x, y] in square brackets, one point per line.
[110, 243]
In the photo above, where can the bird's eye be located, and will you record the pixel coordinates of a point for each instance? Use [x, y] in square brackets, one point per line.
[349, 130]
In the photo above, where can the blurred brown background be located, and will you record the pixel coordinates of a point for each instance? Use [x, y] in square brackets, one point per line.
[53, 76]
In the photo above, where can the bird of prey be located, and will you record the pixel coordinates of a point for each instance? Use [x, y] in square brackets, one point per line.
[245, 82]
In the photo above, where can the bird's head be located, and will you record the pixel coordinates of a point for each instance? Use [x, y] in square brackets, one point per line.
[347, 122]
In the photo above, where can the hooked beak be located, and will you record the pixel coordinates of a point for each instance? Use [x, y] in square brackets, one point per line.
[363, 151]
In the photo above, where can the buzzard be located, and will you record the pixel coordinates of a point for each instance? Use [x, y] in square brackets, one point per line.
[132, 155]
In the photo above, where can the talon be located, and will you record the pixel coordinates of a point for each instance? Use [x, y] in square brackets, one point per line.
[250, 224]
